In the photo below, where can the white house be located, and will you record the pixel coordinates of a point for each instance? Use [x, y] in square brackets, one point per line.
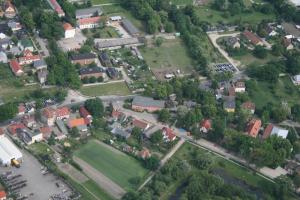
[69, 30]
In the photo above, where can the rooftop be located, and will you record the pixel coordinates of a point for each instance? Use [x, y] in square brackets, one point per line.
[86, 12]
[83, 56]
[147, 102]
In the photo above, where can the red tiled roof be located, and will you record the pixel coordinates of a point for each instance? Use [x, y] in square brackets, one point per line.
[13, 127]
[90, 20]
[29, 58]
[206, 124]
[254, 39]
[267, 131]
[139, 124]
[1, 131]
[253, 127]
[231, 91]
[116, 114]
[46, 131]
[63, 111]
[49, 112]
[248, 105]
[56, 6]
[169, 133]
[145, 153]
[8, 4]
[83, 112]
[2, 194]
[76, 122]
[68, 26]
[27, 52]
[15, 66]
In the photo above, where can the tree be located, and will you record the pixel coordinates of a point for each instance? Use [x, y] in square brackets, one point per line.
[159, 41]
[295, 110]
[95, 107]
[8, 111]
[27, 19]
[170, 28]
[151, 163]
[260, 52]
[156, 137]
[75, 132]
[137, 134]
[164, 115]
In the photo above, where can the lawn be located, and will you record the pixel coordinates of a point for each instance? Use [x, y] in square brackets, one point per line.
[249, 59]
[181, 2]
[114, 164]
[172, 53]
[119, 88]
[265, 92]
[92, 187]
[97, 2]
[106, 32]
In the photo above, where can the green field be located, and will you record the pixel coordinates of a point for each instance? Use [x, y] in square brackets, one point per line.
[106, 32]
[96, 190]
[119, 88]
[181, 2]
[172, 53]
[264, 92]
[114, 164]
[96, 2]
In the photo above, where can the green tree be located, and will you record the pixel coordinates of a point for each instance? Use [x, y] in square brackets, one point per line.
[156, 137]
[95, 107]
[164, 115]
[260, 52]
[8, 111]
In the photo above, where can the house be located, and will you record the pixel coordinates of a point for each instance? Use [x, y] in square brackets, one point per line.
[88, 23]
[29, 121]
[115, 18]
[130, 28]
[46, 132]
[145, 153]
[28, 58]
[62, 128]
[253, 38]
[275, 130]
[287, 43]
[140, 124]
[9, 9]
[5, 43]
[25, 44]
[231, 91]
[79, 123]
[112, 72]
[62, 113]
[4, 28]
[253, 127]
[91, 72]
[150, 131]
[69, 30]
[56, 7]
[83, 58]
[3, 57]
[292, 167]
[16, 68]
[48, 116]
[39, 65]
[88, 12]
[229, 104]
[12, 128]
[205, 126]
[232, 42]
[168, 134]
[120, 132]
[296, 79]
[248, 105]
[29, 137]
[240, 87]
[270, 31]
[142, 104]
[42, 76]
[2, 195]
[117, 115]
[14, 26]
[85, 114]
[21, 109]
[105, 61]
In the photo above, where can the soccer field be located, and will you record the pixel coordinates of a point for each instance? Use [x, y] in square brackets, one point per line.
[115, 165]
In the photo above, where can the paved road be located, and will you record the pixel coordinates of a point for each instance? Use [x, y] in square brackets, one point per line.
[109, 186]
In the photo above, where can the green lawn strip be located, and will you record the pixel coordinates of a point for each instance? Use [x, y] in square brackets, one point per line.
[114, 164]
[97, 2]
[181, 2]
[86, 194]
[119, 88]
[96, 190]
[41, 149]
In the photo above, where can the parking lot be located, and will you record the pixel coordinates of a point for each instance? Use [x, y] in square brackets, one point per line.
[33, 182]
[224, 67]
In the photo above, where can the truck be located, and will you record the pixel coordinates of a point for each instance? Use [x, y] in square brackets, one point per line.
[15, 163]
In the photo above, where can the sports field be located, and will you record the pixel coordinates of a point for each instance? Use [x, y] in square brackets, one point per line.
[115, 165]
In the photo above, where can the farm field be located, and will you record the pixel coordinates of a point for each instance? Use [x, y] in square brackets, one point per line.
[115, 165]
[172, 53]
[119, 88]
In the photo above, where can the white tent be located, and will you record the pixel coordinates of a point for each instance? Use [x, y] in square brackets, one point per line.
[8, 151]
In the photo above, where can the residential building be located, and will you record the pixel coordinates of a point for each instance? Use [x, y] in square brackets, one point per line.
[141, 104]
[240, 87]
[29, 137]
[21, 109]
[28, 58]
[9, 9]
[140, 124]
[168, 134]
[5, 43]
[46, 132]
[91, 72]
[2, 195]
[229, 104]
[88, 23]
[79, 123]
[39, 65]
[296, 79]
[48, 116]
[232, 42]
[205, 126]
[83, 58]
[14, 26]
[62, 128]
[3, 57]
[16, 68]
[88, 12]
[85, 114]
[62, 113]
[274, 130]
[42, 76]
[105, 61]
[253, 38]
[130, 28]
[248, 105]
[145, 153]
[287, 43]
[253, 127]
[56, 7]
[69, 30]
[112, 72]
[12, 128]
[29, 121]
[120, 132]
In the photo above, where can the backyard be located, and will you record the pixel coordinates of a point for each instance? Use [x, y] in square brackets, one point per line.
[119, 88]
[115, 165]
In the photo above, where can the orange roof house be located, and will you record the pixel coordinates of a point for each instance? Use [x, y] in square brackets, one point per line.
[16, 68]
[2, 195]
[145, 153]
[248, 105]
[14, 127]
[140, 124]
[205, 125]
[168, 134]
[253, 38]
[253, 127]
[76, 122]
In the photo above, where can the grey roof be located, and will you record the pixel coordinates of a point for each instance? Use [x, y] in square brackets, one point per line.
[62, 126]
[82, 127]
[147, 102]
[88, 12]
[120, 132]
[83, 56]
[5, 41]
[12, 24]
[229, 102]
[116, 42]
[130, 27]
[39, 63]
[90, 70]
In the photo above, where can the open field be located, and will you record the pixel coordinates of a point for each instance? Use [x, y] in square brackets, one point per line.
[114, 164]
[119, 88]
[181, 2]
[263, 92]
[249, 59]
[106, 32]
[96, 190]
[97, 2]
[172, 53]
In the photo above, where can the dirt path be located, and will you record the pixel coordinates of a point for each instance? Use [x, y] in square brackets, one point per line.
[72, 172]
[109, 186]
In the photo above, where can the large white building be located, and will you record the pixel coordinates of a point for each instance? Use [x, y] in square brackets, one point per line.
[69, 30]
[295, 2]
[8, 151]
